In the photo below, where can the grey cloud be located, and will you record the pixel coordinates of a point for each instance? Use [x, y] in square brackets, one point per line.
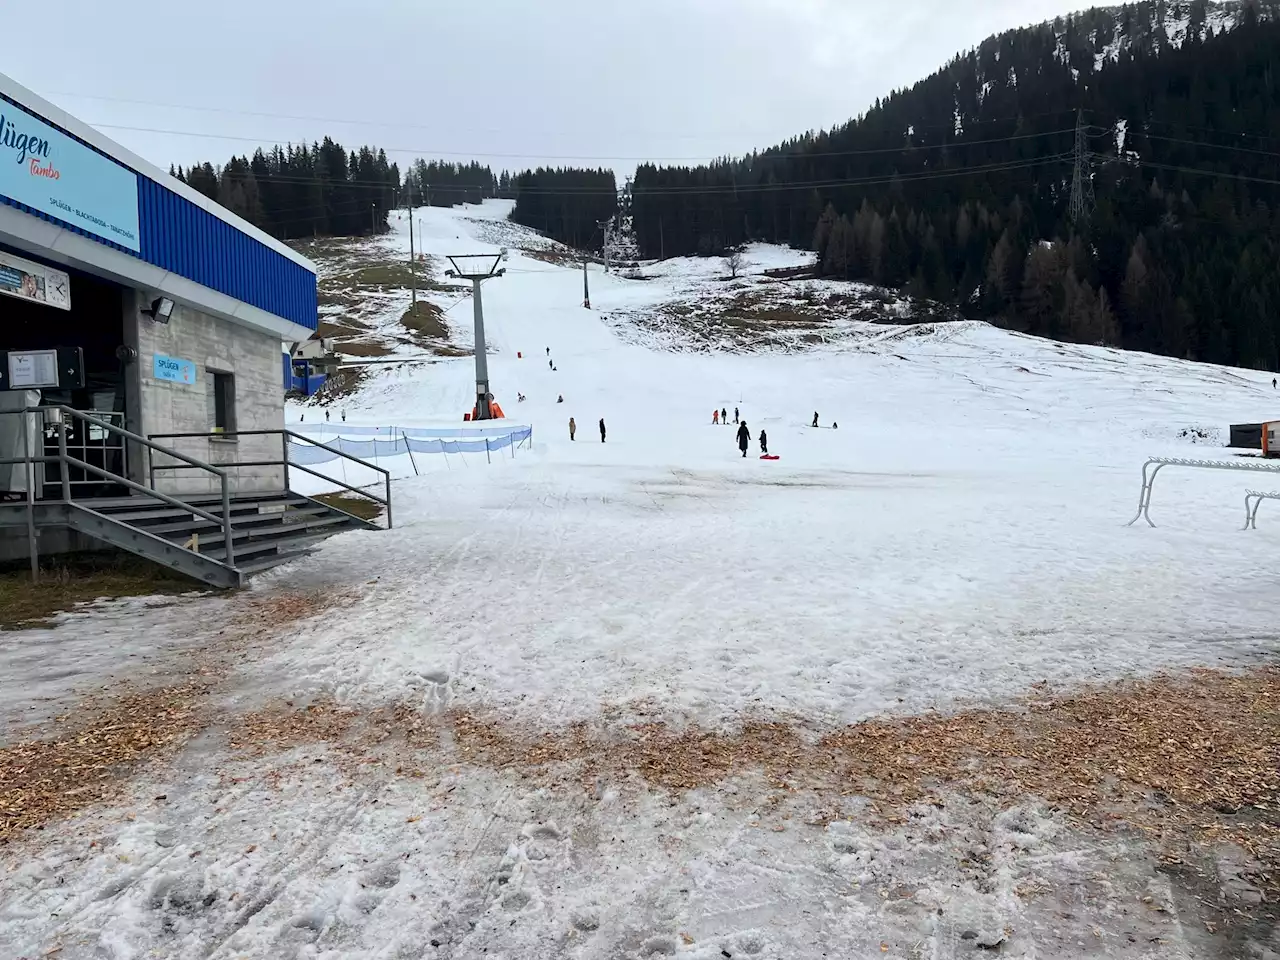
[511, 82]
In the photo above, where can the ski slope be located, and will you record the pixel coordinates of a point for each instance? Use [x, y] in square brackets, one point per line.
[960, 537]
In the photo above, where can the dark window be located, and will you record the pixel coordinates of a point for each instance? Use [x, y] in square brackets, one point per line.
[224, 403]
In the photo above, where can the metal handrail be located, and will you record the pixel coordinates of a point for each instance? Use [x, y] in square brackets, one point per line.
[285, 436]
[66, 460]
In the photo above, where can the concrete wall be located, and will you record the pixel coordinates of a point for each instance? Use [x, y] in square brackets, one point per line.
[161, 406]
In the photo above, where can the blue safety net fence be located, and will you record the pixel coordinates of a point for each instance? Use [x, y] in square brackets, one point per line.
[322, 430]
[440, 441]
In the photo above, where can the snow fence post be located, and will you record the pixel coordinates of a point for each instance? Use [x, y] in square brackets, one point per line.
[488, 458]
[410, 449]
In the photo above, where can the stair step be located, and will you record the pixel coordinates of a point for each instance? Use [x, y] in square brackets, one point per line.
[162, 511]
[266, 563]
[272, 533]
[285, 539]
[191, 525]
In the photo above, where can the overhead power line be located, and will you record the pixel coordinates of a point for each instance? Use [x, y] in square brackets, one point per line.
[703, 159]
[1173, 168]
[1201, 143]
[365, 122]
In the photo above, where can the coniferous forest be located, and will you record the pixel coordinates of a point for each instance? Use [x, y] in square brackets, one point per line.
[566, 203]
[321, 190]
[958, 189]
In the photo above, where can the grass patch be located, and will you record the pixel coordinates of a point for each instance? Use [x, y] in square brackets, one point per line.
[395, 274]
[363, 348]
[360, 507]
[449, 350]
[80, 579]
[425, 320]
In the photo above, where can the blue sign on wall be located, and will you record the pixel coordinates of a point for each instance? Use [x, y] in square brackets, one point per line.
[60, 177]
[173, 369]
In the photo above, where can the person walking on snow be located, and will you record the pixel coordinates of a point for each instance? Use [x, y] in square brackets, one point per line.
[715, 417]
[744, 438]
[326, 416]
[724, 416]
[764, 444]
[551, 364]
[573, 429]
[602, 429]
[815, 418]
[344, 416]
[735, 414]
[548, 351]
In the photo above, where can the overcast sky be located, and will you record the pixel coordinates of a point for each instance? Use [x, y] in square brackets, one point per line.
[513, 83]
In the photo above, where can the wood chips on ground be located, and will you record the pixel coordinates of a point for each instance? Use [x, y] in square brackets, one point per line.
[106, 737]
[41, 780]
[1193, 755]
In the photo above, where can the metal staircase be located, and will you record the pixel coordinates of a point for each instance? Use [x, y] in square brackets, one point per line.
[219, 539]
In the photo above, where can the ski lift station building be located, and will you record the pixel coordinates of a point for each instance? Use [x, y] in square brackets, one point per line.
[128, 297]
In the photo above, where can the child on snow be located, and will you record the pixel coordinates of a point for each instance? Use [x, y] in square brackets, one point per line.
[744, 438]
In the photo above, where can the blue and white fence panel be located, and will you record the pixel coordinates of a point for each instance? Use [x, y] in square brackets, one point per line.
[320, 431]
[306, 454]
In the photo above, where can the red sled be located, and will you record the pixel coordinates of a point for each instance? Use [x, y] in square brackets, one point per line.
[770, 456]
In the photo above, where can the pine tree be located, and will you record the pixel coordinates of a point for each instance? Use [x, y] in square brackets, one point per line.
[839, 257]
[822, 236]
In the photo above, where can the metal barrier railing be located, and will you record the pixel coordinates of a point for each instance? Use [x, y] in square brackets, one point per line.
[284, 461]
[65, 461]
[1153, 466]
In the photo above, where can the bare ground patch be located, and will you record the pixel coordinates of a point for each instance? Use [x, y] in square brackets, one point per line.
[340, 385]
[560, 257]
[364, 296]
[88, 754]
[753, 314]
[426, 322]
[71, 582]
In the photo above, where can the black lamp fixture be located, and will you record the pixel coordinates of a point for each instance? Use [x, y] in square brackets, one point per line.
[161, 309]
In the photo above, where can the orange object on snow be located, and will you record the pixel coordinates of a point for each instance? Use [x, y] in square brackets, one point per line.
[495, 412]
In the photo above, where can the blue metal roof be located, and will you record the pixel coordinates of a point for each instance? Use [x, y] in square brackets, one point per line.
[183, 238]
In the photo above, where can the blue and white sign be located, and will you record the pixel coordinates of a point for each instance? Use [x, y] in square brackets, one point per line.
[173, 369]
[49, 171]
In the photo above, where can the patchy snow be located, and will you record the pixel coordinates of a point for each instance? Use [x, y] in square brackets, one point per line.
[958, 538]
[969, 463]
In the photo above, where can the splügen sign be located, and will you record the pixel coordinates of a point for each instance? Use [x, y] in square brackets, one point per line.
[42, 167]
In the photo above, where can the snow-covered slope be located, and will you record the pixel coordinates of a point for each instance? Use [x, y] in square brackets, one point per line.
[958, 539]
[964, 522]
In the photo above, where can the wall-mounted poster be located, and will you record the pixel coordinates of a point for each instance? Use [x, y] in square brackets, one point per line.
[34, 281]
